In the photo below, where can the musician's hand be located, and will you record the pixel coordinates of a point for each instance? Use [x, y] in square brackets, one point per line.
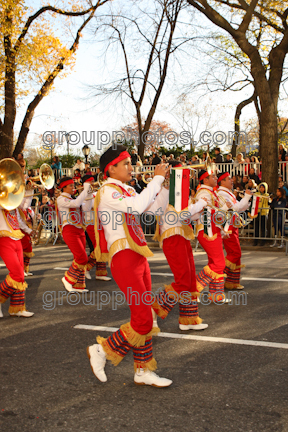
[229, 204]
[33, 233]
[224, 234]
[162, 169]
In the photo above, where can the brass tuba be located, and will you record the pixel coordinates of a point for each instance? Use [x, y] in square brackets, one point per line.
[12, 184]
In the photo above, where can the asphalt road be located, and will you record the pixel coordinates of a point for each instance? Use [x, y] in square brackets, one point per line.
[47, 384]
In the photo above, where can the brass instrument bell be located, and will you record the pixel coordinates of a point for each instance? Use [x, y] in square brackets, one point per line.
[12, 184]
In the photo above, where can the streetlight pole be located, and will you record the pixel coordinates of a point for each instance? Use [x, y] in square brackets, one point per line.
[67, 137]
[86, 151]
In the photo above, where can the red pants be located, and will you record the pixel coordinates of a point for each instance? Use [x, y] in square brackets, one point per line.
[91, 233]
[13, 286]
[233, 248]
[26, 242]
[101, 269]
[131, 272]
[27, 250]
[76, 241]
[214, 250]
[11, 253]
[178, 253]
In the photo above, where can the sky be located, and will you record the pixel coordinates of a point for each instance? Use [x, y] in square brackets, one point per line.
[70, 108]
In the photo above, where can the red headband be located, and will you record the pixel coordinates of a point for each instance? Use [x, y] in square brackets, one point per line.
[90, 179]
[65, 183]
[204, 175]
[222, 177]
[122, 156]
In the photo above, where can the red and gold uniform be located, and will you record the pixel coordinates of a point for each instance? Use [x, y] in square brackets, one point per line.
[209, 236]
[11, 253]
[71, 226]
[231, 243]
[27, 215]
[89, 217]
[124, 246]
[175, 240]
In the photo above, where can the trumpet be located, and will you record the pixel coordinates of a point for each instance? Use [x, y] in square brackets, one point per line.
[207, 165]
[143, 175]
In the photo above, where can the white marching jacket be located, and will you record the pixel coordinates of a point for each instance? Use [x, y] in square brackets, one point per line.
[114, 203]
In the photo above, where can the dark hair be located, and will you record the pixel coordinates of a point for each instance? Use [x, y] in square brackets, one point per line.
[282, 191]
[109, 155]
[219, 175]
[174, 163]
[63, 179]
[57, 158]
[200, 174]
[86, 177]
[218, 149]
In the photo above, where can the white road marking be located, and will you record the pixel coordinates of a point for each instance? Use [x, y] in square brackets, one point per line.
[192, 337]
[265, 279]
[60, 268]
[243, 278]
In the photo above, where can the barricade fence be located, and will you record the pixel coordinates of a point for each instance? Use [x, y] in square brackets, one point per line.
[233, 168]
[269, 225]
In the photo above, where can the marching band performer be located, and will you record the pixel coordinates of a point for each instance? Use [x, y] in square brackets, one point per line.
[70, 221]
[121, 241]
[11, 253]
[89, 216]
[27, 214]
[231, 242]
[174, 238]
[209, 236]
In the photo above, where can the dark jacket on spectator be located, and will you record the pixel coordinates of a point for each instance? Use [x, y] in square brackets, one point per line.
[255, 178]
[156, 160]
[283, 154]
[219, 158]
[134, 159]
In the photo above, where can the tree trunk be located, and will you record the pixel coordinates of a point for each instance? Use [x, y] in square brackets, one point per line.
[269, 145]
[239, 108]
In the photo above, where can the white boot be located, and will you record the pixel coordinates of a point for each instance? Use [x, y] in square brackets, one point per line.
[87, 274]
[103, 278]
[154, 315]
[1, 313]
[146, 377]
[24, 314]
[69, 287]
[97, 358]
[193, 326]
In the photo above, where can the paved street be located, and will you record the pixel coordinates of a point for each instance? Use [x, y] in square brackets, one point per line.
[219, 383]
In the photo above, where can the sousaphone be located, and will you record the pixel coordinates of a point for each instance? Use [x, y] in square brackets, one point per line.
[12, 184]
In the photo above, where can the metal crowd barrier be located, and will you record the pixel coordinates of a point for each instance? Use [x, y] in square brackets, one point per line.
[270, 227]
